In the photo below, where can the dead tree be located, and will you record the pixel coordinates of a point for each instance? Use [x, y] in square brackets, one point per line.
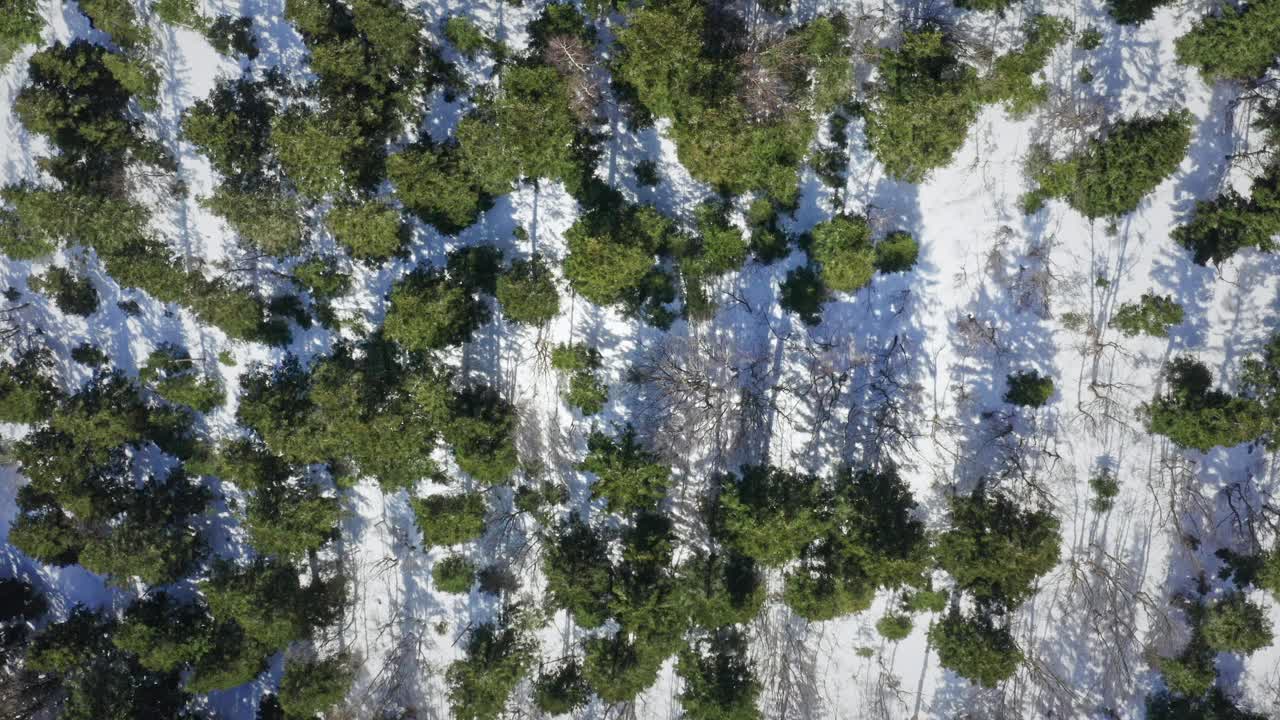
[699, 394]
[575, 61]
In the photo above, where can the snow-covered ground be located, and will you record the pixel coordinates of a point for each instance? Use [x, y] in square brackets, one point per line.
[988, 297]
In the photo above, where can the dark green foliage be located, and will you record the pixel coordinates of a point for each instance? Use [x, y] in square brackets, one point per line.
[83, 503]
[140, 78]
[872, 541]
[1133, 12]
[450, 519]
[19, 600]
[1152, 315]
[155, 541]
[1191, 674]
[897, 252]
[117, 19]
[269, 708]
[1194, 415]
[575, 358]
[99, 681]
[232, 127]
[922, 600]
[771, 514]
[1269, 575]
[525, 131]
[922, 105]
[1112, 174]
[268, 603]
[164, 633]
[719, 683]
[559, 19]
[716, 249]
[767, 240]
[249, 465]
[720, 590]
[267, 220]
[975, 648]
[310, 688]
[647, 173]
[1236, 624]
[561, 691]
[430, 310]
[997, 6]
[27, 394]
[1260, 378]
[179, 12]
[228, 33]
[454, 574]
[20, 24]
[372, 62]
[476, 267]
[722, 147]
[803, 293]
[582, 363]
[175, 376]
[435, 184]
[1028, 388]
[465, 36]
[361, 409]
[105, 414]
[89, 355]
[894, 626]
[497, 658]
[579, 574]
[287, 520]
[539, 500]
[611, 251]
[1243, 569]
[72, 294]
[737, 123]
[42, 220]
[481, 431]
[44, 532]
[527, 292]
[1090, 38]
[662, 57]
[620, 667]
[232, 660]
[1011, 79]
[1105, 488]
[842, 248]
[646, 599]
[370, 231]
[68, 643]
[628, 477]
[587, 393]
[828, 57]
[318, 150]
[995, 549]
[75, 99]
[1221, 227]
[1239, 43]
[320, 275]
[1214, 706]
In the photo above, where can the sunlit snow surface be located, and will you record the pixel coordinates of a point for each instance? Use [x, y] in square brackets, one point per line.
[987, 298]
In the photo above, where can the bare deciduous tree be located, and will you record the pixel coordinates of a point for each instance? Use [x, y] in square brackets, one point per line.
[573, 58]
[699, 393]
[771, 67]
